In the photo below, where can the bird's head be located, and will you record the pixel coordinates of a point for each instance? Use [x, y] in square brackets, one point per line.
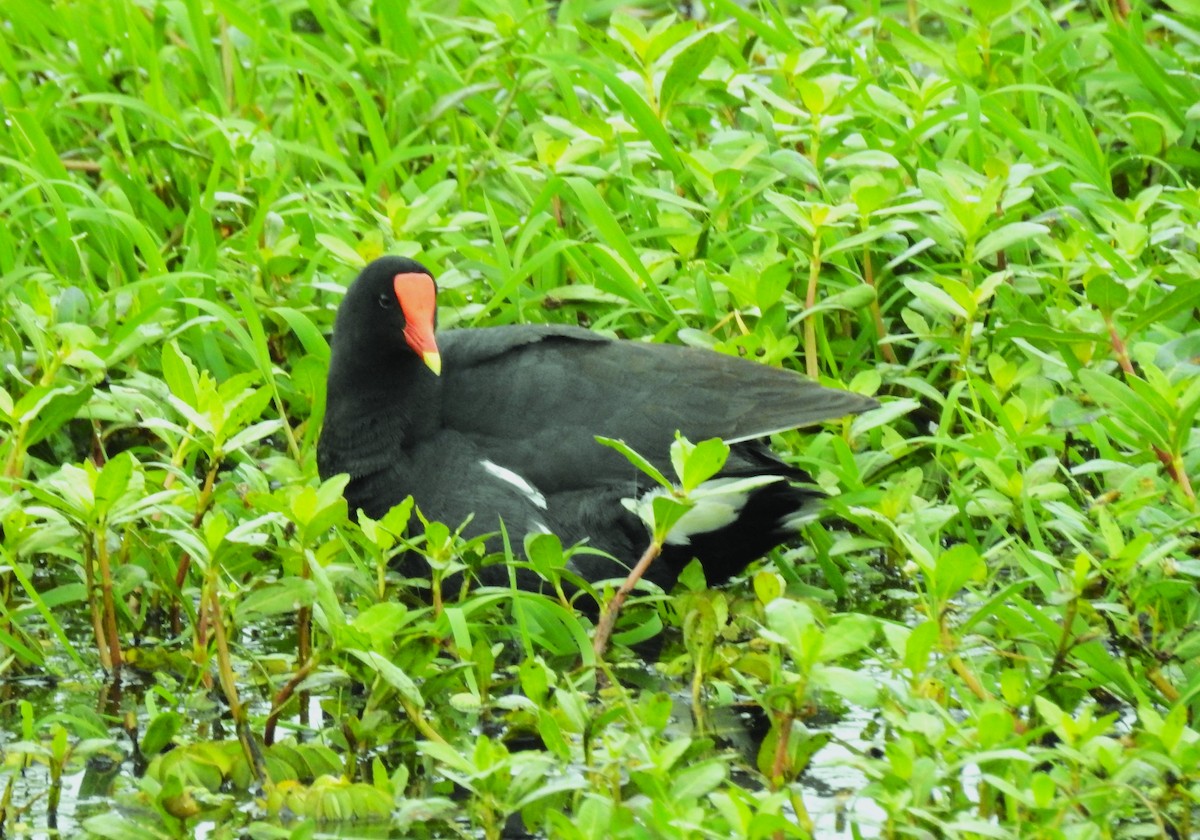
[392, 303]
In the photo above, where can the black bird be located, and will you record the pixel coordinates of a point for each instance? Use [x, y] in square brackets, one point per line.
[499, 424]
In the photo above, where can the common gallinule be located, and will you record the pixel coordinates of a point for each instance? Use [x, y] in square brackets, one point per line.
[500, 424]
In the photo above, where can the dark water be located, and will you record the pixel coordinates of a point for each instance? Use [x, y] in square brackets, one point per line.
[107, 779]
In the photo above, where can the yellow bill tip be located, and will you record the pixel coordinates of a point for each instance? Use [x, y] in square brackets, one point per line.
[433, 361]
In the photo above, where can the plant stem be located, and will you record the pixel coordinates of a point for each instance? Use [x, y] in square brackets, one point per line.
[1171, 463]
[185, 562]
[418, 719]
[779, 763]
[609, 619]
[94, 608]
[281, 698]
[108, 604]
[228, 682]
[889, 352]
[810, 300]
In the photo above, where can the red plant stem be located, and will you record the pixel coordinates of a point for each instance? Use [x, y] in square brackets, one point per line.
[108, 603]
[609, 619]
[281, 699]
[780, 763]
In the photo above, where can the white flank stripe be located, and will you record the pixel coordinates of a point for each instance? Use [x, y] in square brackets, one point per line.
[505, 474]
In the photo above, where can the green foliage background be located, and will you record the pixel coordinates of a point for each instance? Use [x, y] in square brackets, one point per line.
[983, 213]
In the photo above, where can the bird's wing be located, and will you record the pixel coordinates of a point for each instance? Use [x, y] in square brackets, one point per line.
[536, 394]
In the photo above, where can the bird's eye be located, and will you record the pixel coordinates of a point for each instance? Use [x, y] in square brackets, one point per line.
[387, 301]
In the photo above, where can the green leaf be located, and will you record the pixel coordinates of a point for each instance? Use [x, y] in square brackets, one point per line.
[696, 463]
[252, 433]
[59, 408]
[1106, 294]
[180, 374]
[392, 674]
[919, 645]
[953, 568]
[1006, 237]
[696, 780]
[341, 250]
[848, 634]
[798, 213]
[857, 687]
[614, 236]
[635, 459]
[1126, 406]
[159, 732]
[285, 596]
[111, 483]
[753, 20]
[667, 511]
[635, 108]
[308, 333]
[847, 300]
[936, 299]
[446, 755]
[767, 586]
[117, 825]
[545, 553]
[686, 68]
[795, 625]
[382, 621]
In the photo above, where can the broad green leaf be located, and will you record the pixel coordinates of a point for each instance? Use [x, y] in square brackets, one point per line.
[696, 780]
[252, 433]
[60, 407]
[696, 463]
[848, 634]
[919, 645]
[686, 68]
[383, 620]
[857, 687]
[545, 553]
[953, 568]
[1126, 406]
[111, 483]
[159, 732]
[767, 586]
[1106, 294]
[793, 622]
[446, 755]
[878, 230]
[305, 330]
[284, 596]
